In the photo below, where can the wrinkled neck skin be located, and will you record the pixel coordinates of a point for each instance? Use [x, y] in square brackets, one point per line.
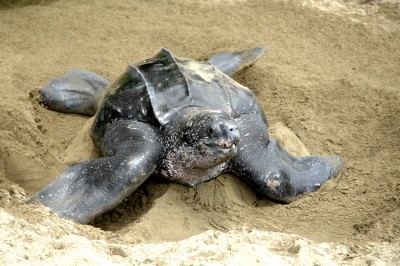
[184, 160]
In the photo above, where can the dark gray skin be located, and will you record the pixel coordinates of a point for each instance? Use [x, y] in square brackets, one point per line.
[78, 91]
[182, 119]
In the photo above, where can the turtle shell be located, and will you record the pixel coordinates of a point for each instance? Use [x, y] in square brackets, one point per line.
[155, 90]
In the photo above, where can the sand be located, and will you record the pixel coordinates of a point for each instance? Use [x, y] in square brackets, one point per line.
[329, 83]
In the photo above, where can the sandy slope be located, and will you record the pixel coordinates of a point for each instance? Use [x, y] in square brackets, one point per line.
[331, 74]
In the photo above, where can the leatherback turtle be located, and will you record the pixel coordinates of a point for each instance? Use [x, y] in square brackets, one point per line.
[185, 120]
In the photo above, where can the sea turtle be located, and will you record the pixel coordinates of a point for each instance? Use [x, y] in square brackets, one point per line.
[185, 120]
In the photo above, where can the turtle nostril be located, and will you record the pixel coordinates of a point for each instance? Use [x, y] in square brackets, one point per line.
[229, 126]
[233, 129]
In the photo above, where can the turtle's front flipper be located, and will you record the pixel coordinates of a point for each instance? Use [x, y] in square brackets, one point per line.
[77, 91]
[231, 62]
[91, 188]
[272, 170]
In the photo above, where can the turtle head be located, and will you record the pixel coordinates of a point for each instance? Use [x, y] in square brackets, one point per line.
[198, 143]
[213, 136]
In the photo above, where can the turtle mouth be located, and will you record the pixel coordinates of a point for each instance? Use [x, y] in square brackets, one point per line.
[226, 144]
[223, 145]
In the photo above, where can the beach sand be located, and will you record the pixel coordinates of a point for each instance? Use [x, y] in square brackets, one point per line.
[329, 80]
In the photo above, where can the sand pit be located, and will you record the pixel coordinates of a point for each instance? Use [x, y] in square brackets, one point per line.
[330, 77]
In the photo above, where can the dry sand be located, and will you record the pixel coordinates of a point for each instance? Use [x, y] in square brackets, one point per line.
[330, 76]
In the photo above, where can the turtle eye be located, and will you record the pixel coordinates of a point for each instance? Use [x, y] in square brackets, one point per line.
[210, 130]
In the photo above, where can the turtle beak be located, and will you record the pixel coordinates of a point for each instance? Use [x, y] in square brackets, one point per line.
[225, 134]
[226, 131]
[232, 132]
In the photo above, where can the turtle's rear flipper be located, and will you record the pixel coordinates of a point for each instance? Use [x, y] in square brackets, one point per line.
[272, 170]
[231, 62]
[91, 188]
[77, 91]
